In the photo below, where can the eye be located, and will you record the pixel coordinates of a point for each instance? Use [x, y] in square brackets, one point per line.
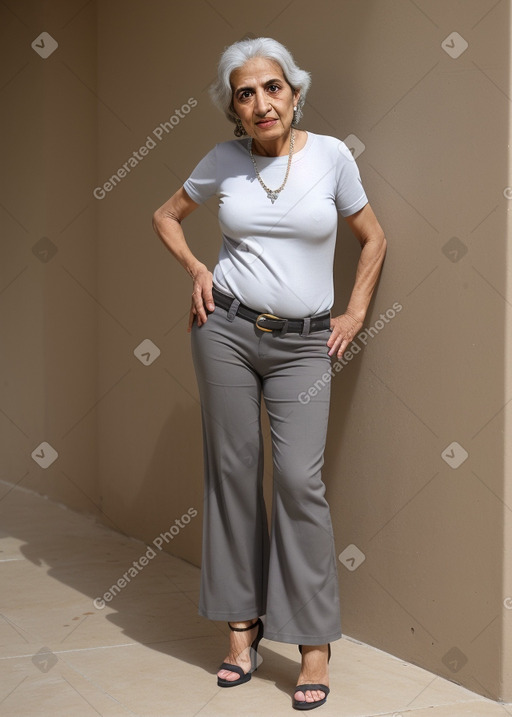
[273, 88]
[244, 95]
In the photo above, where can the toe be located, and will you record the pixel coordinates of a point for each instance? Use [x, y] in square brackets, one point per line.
[227, 675]
[311, 696]
[299, 696]
[316, 695]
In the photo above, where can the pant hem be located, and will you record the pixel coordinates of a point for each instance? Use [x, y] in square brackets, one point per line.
[302, 639]
[232, 616]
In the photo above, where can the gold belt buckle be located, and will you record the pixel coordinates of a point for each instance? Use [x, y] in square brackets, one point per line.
[266, 316]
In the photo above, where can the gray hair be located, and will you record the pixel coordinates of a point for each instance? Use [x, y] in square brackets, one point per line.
[237, 55]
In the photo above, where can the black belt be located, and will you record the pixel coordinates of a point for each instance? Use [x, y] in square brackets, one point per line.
[269, 322]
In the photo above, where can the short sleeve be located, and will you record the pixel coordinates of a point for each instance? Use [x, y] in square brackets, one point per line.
[202, 183]
[350, 194]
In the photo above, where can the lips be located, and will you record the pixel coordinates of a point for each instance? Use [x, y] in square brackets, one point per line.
[267, 122]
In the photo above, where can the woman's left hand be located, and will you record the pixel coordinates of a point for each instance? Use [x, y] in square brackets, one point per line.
[344, 330]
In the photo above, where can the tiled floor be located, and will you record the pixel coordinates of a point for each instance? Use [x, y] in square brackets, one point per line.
[147, 652]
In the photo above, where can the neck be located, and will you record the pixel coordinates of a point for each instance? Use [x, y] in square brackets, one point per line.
[273, 148]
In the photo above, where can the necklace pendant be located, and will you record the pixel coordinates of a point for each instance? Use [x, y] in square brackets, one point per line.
[273, 194]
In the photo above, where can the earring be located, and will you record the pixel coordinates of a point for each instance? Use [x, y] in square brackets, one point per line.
[239, 130]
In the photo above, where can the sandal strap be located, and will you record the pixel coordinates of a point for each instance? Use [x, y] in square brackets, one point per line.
[305, 688]
[243, 629]
[233, 668]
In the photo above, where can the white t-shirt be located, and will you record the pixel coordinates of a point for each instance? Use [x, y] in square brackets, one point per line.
[278, 258]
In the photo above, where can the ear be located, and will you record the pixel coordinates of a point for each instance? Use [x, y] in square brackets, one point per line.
[296, 97]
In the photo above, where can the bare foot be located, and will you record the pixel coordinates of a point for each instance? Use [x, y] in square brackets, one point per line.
[239, 650]
[314, 670]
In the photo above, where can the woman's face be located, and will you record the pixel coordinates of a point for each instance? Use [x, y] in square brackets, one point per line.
[263, 99]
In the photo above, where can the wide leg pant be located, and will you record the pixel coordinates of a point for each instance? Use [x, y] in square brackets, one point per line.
[290, 575]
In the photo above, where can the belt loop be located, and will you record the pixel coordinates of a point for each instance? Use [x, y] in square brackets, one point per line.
[307, 326]
[285, 328]
[233, 309]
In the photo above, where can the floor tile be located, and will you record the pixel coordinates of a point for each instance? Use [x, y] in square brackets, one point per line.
[146, 651]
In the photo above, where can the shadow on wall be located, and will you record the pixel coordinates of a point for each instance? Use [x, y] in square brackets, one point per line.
[347, 373]
[166, 506]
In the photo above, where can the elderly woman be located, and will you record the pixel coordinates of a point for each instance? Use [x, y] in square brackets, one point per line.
[261, 326]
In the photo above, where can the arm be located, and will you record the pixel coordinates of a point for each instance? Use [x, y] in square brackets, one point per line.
[370, 235]
[167, 224]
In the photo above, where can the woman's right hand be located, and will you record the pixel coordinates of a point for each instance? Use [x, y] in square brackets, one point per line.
[202, 298]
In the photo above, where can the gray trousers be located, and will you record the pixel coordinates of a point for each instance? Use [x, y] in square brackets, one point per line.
[289, 575]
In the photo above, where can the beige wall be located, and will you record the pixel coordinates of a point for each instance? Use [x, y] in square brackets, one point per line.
[435, 582]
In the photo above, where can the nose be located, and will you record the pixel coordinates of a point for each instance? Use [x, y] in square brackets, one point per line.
[261, 105]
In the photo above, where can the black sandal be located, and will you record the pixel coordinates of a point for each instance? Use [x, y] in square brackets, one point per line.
[302, 704]
[244, 676]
